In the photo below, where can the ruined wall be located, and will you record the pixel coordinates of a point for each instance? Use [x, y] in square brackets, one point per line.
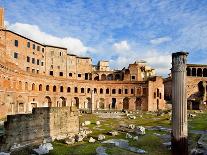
[43, 123]
[155, 94]
[192, 87]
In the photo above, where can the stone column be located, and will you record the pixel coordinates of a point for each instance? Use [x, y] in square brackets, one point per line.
[179, 104]
[92, 101]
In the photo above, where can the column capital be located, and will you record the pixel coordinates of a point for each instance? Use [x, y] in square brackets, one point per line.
[179, 60]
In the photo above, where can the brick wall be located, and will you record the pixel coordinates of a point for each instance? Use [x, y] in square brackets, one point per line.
[42, 123]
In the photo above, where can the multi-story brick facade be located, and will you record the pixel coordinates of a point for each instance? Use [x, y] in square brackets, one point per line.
[33, 74]
[195, 86]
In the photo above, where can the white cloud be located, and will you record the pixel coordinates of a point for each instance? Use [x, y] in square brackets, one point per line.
[157, 41]
[74, 45]
[160, 61]
[121, 46]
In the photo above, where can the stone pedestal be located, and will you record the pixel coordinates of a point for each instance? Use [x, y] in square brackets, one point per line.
[179, 104]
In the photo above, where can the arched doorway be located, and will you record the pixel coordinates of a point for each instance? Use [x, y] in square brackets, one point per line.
[188, 71]
[48, 102]
[89, 105]
[76, 102]
[21, 107]
[96, 78]
[126, 103]
[113, 103]
[110, 77]
[138, 103]
[117, 77]
[101, 103]
[103, 77]
[63, 101]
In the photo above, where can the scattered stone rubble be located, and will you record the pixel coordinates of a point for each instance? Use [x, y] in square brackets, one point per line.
[121, 143]
[113, 133]
[98, 122]
[101, 137]
[91, 140]
[140, 130]
[87, 122]
[43, 149]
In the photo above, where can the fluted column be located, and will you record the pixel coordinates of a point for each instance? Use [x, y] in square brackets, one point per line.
[179, 104]
[92, 101]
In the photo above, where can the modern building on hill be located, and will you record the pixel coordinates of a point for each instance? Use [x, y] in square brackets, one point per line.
[33, 74]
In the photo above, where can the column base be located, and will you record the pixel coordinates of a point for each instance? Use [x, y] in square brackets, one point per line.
[179, 147]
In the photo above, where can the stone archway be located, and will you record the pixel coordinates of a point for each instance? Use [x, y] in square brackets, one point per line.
[76, 102]
[113, 103]
[89, 105]
[48, 102]
[138, 103]
[103, 77]
[101, 103]
[126, 103]
[20, 107]
[21, 104]
[63, 101]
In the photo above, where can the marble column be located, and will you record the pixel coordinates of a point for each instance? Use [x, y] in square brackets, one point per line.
[92, 101]
[179, 104]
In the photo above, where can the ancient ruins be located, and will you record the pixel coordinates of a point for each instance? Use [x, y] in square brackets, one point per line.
[33, 74]
[179, 104]
[43, 124]
[49, 96]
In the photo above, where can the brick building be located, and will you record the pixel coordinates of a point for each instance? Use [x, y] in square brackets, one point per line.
[196, 86]
[33, 74]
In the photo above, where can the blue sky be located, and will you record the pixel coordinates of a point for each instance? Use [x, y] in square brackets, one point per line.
[119, 31]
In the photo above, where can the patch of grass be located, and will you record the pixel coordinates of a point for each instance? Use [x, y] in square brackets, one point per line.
[152, 144]
[75, 149]
[199, 122]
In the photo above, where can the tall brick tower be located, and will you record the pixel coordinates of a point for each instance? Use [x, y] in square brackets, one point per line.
[2, 18]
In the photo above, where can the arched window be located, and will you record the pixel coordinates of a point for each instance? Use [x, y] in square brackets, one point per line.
[76, 90]
[119, 91]
[68, 89]
[54, 88]
[61, 88]
[132, 91]
[199, 72]
[101, 91]
[88, 91]
[82, 90]
[70, 74]
[204, 72]
[113, 91]
[33, 86]
[96, 77]
[188, 71]
[117, 77]
[26, 86]
[20, 85]
[103, 77]
[107, 91]
[47, 88]
[193, 71]
[110, 77]
[40, 87]
[95, 90]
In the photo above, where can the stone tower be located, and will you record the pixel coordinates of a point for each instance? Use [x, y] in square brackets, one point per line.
[179, 104]
[2, 18]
